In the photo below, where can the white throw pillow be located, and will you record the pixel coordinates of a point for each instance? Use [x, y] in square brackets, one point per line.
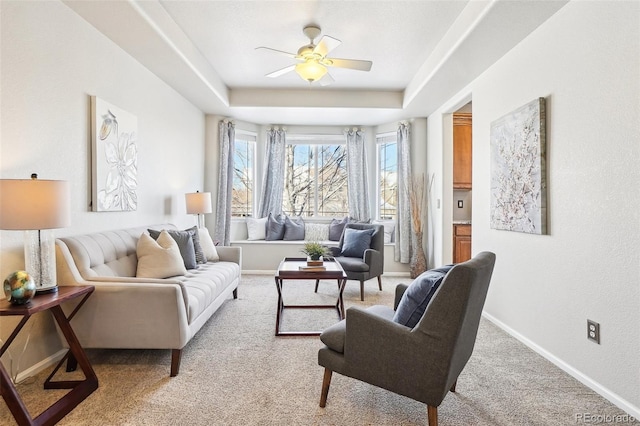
[389, 230]
[208, 247]
[316, 231]
[256, 228]
[159, 258]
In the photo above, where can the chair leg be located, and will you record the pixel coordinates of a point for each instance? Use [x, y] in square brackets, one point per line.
[380, 282]
[362, 291]
[317, 282]
[453, 387]
[432, 415]
[326, 381]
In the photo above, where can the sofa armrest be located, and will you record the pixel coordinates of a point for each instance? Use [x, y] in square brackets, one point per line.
[230, 254]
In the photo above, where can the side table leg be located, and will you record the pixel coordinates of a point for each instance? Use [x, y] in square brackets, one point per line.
[280, 305]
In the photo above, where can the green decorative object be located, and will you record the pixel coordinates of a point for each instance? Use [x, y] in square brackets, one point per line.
[19, 287]
[314, 250]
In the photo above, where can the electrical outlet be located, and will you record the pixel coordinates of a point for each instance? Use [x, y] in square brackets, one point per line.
[593, 331]
[460, 204]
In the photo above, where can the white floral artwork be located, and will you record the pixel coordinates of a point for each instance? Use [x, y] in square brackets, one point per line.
[115, 158]
[518, 181]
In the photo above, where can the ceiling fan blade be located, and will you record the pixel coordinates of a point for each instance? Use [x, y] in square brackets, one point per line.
[326, 45]
[282, 52]
[326, 80]
[281, 71]
[353, 64]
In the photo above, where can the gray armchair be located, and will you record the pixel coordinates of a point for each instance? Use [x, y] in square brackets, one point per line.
[371, 265]
[422, 363]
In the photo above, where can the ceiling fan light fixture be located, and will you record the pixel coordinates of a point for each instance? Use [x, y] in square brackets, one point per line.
[311, 70]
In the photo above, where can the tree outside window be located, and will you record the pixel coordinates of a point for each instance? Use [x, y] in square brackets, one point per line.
[315, 180]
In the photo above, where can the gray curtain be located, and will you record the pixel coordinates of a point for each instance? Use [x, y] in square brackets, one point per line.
[226, 138]
[273, 180]
[357, 188]
[402, 252]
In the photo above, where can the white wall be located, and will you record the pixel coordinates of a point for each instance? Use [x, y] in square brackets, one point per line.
[52, 62]
[585, 61]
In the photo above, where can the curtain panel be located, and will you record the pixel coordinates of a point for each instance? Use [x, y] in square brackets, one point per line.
[226, 138]
[357, 187]
[402, 252]
[273, 180]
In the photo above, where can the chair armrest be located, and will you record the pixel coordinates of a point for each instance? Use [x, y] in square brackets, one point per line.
[379, 351]
[400, 289]
[374, 259]
[335, 251]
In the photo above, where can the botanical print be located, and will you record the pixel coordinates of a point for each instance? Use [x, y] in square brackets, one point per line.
[518, 182]
[115, 158]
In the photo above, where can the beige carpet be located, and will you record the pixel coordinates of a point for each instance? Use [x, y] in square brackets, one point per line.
[236, 372]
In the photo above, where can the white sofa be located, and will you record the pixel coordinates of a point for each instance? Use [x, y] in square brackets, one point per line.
[126, 312]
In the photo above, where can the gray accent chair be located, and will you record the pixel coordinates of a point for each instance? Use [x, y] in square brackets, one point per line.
[422, 363]
[371, 265]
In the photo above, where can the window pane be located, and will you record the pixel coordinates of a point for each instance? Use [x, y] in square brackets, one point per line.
[332, 180]
[300, 180]
[243, 179]
[315, 180]
[388, 179]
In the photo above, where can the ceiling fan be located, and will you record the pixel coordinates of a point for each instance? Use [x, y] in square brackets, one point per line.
[313, 60]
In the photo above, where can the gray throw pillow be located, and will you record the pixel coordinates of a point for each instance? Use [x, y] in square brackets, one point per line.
[293, 229]
[275, 227]
[185, 244]
[356, 241]
[197, 247]
[336, 227]
[417, 296]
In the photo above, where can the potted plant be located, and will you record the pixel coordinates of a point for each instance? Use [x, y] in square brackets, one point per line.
[314, 251]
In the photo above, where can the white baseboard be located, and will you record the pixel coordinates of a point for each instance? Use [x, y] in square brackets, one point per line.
[578, 375]
[266, 272]
[36, 368]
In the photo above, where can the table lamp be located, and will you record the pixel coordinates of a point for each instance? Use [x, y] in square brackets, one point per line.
[36, 206]
[198, 203]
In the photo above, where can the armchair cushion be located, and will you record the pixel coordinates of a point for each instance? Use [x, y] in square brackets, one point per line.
[353, 264]
[356, 241]
[415, 299]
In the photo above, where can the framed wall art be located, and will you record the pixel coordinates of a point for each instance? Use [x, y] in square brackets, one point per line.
[114, 158]
[518, 170]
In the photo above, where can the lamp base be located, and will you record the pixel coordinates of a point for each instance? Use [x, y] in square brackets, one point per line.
[46, 290]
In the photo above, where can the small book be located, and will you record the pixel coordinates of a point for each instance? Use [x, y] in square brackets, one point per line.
[312, 268]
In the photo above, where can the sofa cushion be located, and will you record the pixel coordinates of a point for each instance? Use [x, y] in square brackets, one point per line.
[208, 247]
[159, 258]
[275, 227]
[256, 228]
[336, 227]
[356, 241]
[185, 244]
[415, 299]
[205, 284]
[293, 229]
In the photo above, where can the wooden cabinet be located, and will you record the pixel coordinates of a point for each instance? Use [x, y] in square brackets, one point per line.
[462, 151]
[461, 243]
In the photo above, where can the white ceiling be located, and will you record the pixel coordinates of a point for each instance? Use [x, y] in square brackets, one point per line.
[423, 52]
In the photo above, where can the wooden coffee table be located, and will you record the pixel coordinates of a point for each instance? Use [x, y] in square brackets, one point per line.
[289, 269]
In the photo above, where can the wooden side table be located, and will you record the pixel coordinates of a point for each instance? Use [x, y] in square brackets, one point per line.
[80, 389]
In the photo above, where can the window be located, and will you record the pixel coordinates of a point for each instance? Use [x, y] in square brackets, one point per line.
[315, 176]
[242, 192]
[387, 175]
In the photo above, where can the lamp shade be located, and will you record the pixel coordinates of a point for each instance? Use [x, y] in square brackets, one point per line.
[198, 202]
[30, 204]
[311, 70]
